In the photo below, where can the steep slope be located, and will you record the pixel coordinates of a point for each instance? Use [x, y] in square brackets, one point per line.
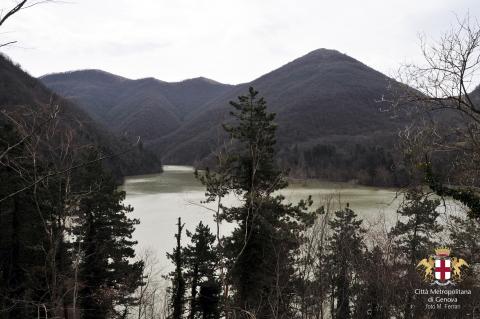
[330, 121]
[21, 92]
[322, 95]
[148, 107]
[95, 90]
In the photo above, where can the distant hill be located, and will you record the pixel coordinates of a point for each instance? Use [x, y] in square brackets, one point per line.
[330, 118]
[148, 107]
[322, 94]
[20, 91]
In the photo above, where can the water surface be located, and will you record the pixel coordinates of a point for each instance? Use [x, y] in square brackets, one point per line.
[159, 199]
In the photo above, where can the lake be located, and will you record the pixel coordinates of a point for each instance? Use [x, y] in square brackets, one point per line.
[159, 199]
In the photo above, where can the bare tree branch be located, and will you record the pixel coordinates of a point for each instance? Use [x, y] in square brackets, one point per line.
[12, 11]
[39, 180]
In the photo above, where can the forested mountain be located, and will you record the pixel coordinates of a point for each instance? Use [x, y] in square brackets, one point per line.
[327, 103]
[324, 93]
[148, 107]
[330, 121]
[21, 93]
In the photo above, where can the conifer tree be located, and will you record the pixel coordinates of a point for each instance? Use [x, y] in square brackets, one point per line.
[465, 244]
[413, 234]
[104, 232]
[465, 237]
[201, 260]
[33, 250]
[375, 284]
[177, 290]
[413, 239]
[209, 300]
[261, 248]
[20, 254]
[345, 251]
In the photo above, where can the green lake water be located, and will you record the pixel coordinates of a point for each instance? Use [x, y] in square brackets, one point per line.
[159, 199]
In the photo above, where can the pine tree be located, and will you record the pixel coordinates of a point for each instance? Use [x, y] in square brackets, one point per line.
[104, 233]
[254, 169]
[36, 273]
[345, 251]
[21, 258]
[177, 290]
[375, 281]
[465, 244]
[413, 238]
[201, 259]
[261, 248]
[413, 235]
[209, 299]
[465, 237]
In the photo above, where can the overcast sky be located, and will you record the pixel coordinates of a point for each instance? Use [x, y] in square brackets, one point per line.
[225, 40]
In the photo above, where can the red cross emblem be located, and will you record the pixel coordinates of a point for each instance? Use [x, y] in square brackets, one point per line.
[443, 270]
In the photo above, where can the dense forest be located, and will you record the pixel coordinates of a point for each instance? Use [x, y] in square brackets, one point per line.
[182, 121]
[66, 235]
[290, 261]
[20, 92]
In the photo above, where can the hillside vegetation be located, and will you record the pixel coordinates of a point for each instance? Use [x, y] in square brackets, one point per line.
[323, 100]
[21, 94]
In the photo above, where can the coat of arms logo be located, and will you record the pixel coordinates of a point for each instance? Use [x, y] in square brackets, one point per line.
[441, 269]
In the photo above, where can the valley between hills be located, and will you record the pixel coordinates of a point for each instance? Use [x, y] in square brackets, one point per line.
[333, 121]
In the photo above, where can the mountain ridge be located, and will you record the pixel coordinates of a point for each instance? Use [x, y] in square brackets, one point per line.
[19, 92]
[299, 76]
[323, 98]
[127, 105]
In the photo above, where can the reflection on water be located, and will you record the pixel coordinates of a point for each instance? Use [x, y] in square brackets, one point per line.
[159, 199]
[175, 179]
